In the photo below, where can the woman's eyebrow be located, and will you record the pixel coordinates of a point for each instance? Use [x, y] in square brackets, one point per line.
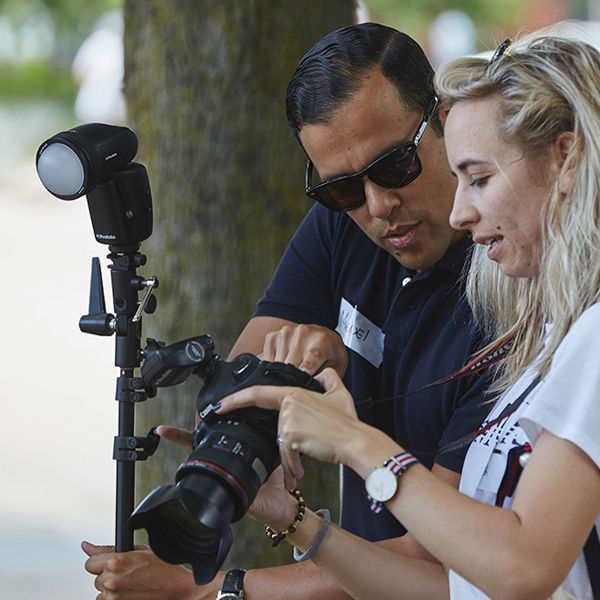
[469, 162]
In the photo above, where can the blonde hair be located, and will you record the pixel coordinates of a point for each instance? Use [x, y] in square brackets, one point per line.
[546, 86]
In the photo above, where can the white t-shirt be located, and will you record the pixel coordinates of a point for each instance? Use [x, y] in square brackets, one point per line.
[566, 403]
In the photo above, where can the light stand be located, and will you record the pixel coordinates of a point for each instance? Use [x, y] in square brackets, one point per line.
[126, 324]
[94, 159]
[232, 456]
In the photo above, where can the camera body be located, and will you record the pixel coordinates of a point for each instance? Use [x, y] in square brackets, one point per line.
[244, 442]
[232, 456]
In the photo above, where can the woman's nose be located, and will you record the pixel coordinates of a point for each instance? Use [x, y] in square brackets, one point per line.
[463, 214]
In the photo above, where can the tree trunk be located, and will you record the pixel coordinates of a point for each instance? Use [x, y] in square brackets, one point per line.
[205, 85]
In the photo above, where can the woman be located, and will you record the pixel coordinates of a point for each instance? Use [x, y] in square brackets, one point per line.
[523, 139]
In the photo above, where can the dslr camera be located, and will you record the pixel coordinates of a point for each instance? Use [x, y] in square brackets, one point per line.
[232, 456]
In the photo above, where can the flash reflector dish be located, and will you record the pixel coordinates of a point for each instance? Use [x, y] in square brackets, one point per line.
[60, 170]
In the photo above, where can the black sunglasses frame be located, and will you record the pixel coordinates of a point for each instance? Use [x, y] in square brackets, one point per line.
[501, 50]
[314, 192]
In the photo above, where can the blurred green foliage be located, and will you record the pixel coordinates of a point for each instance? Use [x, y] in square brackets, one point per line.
[493, 19]
[71, 17]
[36, 80]
[56, 26]
[490, 17]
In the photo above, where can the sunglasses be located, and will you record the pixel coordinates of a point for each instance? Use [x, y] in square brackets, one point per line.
[501, 50]
[394, 169]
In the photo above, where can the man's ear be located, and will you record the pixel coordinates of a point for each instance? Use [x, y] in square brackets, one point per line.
[567, 159]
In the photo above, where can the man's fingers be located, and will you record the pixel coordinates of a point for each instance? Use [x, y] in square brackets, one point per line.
[273, 346]
[312, 361]
[329, 379]
[289, 481]
[179, 436]
[94, 564]
[296, 464]
[292, 465]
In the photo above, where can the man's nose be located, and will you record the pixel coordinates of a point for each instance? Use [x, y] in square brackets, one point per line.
[380, 200]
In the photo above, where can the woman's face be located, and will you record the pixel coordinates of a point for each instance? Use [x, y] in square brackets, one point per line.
[500, 191]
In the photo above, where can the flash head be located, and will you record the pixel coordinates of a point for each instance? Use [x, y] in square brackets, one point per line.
[72, 163]
[95, 160]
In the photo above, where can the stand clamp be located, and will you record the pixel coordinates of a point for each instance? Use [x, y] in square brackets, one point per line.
[130, 389]
[134, 448]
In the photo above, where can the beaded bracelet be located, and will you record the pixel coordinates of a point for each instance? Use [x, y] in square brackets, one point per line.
[277, 537]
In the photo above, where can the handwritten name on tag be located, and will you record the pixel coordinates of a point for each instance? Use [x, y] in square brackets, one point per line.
[360, 334]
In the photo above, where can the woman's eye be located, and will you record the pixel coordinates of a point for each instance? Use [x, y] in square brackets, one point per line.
[479, 182]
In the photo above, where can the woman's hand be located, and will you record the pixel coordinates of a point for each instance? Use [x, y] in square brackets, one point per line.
[323, 426]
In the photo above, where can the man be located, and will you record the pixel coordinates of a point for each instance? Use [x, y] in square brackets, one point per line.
[379, 265]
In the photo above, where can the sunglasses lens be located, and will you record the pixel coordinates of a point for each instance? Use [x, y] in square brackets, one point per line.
[398, 169]
[342, 195]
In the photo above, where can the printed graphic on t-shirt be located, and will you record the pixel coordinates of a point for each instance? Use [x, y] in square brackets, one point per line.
[360, 334]
[507, 442]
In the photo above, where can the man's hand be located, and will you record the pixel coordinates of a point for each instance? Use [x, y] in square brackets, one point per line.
[308, 347]
[140, 575]
[179, 436]
[273, 504]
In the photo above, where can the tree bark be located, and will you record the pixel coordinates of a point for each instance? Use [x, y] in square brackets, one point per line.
[205, 83]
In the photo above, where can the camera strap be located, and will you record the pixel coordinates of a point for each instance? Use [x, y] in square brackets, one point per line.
[509, 410]
[493, 356]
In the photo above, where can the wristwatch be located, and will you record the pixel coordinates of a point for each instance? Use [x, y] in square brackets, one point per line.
[232, 585]
[381, 483]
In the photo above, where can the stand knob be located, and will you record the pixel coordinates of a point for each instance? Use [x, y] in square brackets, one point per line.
[99, 324]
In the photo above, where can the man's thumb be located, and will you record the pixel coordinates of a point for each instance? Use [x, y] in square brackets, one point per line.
[91, 549]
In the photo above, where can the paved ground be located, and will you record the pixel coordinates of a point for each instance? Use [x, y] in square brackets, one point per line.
[58, 413]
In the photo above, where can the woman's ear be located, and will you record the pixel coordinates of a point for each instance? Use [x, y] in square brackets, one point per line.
[567, 160]
[444, 110]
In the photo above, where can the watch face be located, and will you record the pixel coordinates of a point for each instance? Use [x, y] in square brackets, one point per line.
[381, 484]
[232, 585]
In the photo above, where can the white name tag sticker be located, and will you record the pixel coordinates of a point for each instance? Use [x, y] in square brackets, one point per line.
[360, 334]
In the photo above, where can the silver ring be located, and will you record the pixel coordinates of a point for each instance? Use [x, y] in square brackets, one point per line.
[280, 441]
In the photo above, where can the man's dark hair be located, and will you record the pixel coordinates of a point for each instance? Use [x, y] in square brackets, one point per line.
[333, 69]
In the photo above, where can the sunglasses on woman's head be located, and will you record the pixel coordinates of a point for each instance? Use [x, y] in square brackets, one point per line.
[501, 50]
[395, 168]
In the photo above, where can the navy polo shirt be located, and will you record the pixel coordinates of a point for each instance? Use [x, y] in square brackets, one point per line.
[428, 332]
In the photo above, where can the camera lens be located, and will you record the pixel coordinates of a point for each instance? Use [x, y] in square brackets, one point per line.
[189, 523]
[181, 526]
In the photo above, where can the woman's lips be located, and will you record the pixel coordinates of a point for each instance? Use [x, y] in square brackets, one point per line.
[494, 249]
[494, 245]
